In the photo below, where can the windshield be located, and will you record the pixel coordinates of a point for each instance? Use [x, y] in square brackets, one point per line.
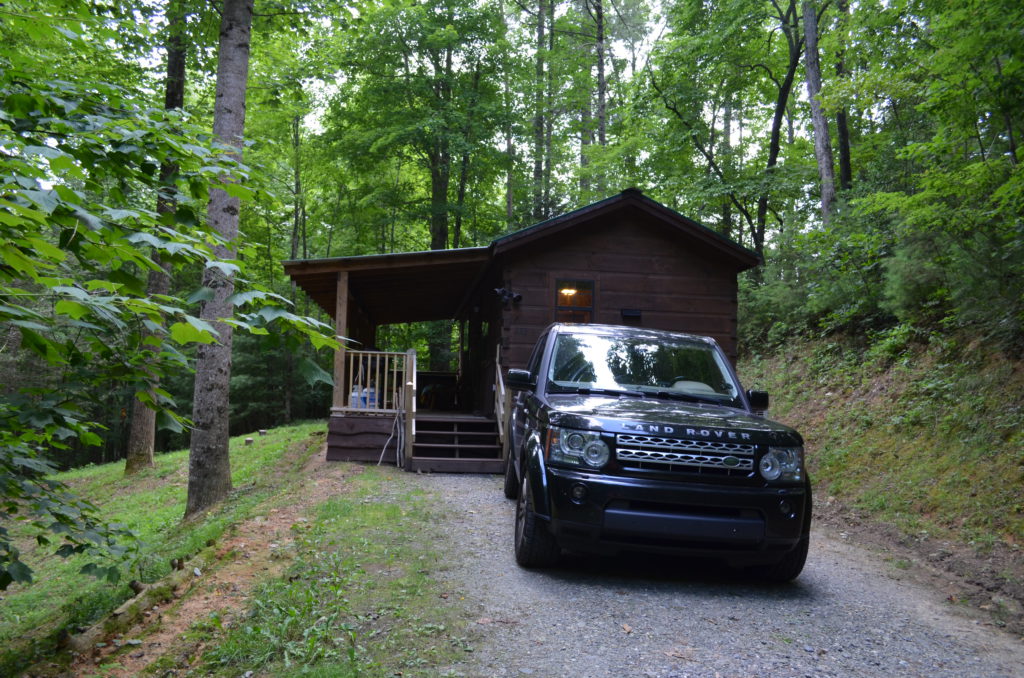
[669, 367]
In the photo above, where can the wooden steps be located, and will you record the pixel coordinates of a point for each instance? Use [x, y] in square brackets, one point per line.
[456, 443]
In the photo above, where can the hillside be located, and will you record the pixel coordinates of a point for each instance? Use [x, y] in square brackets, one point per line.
[916, 447]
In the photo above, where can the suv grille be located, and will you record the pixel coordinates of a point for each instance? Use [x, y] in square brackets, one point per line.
[688, 456]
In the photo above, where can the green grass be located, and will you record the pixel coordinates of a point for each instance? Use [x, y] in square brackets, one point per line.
[362, 596]
[151, 503]
[361, 599]
[928, 438]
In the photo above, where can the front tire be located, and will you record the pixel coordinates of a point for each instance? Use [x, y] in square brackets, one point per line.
[790, 567]
[535, 546]
[511, 488]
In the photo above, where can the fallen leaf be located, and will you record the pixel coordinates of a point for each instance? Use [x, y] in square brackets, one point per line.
[627, 628]
[685, 653]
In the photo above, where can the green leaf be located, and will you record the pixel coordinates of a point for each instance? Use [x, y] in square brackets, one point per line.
[90, 438]
[166, 421]
[47, 201]
[240, 298]
[201, 294]
[72, 309]
[45, 151]
[313, 373]
[226, 268]
[16, 259]
[41, 346]
[19, 572]
[187, 333]
[46, 249]
[239, 191]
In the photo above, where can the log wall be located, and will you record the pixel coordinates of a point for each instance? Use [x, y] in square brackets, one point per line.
[683, 287]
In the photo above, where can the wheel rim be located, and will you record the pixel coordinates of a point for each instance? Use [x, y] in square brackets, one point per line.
[521, 509]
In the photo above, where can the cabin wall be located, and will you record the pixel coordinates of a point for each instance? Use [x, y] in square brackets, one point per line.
[678, 286]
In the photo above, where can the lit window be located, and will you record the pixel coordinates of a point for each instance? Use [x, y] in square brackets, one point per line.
[574, 301]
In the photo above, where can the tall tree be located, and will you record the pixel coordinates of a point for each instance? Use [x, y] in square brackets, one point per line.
[727, 55]
[789, 25]
[822, 138]
[142, 429]
[209, 477]
[842, 113]
[540, 112]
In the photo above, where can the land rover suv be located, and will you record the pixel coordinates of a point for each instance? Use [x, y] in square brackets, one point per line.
[629, 439]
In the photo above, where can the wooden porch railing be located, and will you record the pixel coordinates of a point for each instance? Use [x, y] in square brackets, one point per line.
[375, 382]
[502, 403]
[381, 383]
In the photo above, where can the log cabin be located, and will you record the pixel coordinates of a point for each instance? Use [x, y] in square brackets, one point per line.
[625, 260]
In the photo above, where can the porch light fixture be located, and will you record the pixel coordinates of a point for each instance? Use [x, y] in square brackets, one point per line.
[507, 295]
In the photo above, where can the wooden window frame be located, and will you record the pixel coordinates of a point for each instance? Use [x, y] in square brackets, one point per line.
[571, 313]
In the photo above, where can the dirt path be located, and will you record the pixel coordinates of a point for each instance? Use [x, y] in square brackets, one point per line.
[254, 550]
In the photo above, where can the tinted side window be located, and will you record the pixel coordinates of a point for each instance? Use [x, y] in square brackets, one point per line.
[538, 350]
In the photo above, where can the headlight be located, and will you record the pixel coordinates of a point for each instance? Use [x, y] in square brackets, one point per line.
[577, 448]
[783, 463]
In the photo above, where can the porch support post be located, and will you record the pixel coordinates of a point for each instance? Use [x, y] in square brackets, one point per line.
[341, 329]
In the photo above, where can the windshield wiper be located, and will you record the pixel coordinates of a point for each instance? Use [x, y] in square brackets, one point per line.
[682, 395]
[593, 390]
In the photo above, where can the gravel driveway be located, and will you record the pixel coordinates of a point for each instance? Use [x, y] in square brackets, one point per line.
[847, 614]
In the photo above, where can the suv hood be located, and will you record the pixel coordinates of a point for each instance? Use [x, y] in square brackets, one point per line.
[672, 418]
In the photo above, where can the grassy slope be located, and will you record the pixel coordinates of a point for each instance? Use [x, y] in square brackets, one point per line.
[151, 503]
[359, 598]
[928, 438]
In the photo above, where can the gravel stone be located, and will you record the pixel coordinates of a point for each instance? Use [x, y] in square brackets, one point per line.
[654, 617]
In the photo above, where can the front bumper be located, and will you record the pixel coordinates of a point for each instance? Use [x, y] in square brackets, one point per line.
[747, 525]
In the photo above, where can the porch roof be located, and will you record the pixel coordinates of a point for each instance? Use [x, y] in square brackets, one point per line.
[392, 288]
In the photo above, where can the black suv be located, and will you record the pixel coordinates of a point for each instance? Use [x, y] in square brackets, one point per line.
[625, 439]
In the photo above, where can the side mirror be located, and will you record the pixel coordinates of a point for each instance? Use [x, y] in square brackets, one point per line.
[758, 400]
[520, 380]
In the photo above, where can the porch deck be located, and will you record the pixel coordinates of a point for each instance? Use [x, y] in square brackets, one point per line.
[380, 422]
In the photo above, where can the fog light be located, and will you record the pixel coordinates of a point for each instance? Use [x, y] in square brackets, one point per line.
[578, 493]
[785, 508]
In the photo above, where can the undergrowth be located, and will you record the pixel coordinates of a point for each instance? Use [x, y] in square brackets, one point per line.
[920, 432]
[151, 503]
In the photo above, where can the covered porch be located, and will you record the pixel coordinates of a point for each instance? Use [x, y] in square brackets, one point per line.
[385, 406]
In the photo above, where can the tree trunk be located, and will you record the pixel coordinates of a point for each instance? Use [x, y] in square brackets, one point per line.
[142, 428]
[842, 124]
[467, 134]
[586, 139]
[538, 116]
[440, 175]
[789, 23]
[549, 118]
[510, 194]
[822, 138]
[209, 472]
[726, 160]
[602, 81]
